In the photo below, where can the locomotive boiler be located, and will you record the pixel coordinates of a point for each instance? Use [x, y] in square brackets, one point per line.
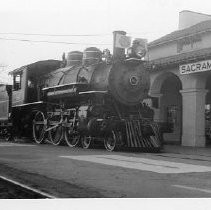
[91, 98]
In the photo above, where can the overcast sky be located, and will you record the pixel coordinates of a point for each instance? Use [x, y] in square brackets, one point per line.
[149, 19]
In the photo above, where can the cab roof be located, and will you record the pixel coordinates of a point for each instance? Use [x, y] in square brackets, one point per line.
[39, 67]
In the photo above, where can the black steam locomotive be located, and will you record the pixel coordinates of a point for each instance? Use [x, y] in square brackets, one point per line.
[89, 98]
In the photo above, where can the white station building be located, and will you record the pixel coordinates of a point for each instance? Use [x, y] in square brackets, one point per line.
[180, 73]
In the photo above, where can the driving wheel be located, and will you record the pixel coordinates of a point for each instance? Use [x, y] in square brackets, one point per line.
[71, 137]
[39, 127]
[55, 133]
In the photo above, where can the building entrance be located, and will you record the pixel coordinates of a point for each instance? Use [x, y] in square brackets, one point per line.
[171, 105]
[208, 112]
[166, 87]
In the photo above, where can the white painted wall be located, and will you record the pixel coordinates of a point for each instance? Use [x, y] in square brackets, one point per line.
[162, 51]
[189, 18]
[206, 40]
[170, 48]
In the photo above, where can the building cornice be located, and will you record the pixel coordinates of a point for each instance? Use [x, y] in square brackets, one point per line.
[181, 58]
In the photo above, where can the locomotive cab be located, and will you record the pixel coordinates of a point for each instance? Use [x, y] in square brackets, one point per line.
[28, 81]
[26, 94]
[25, 88]
[22, 91]
[19, 87]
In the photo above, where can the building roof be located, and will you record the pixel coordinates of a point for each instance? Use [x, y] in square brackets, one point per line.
[198, 28]
[181, 58]
[200, 13]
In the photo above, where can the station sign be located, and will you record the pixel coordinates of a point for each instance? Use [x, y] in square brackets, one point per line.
[196, 67]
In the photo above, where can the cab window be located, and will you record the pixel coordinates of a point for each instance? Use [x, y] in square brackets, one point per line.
[17, 82]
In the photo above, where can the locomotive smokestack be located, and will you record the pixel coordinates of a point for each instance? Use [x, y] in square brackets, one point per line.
[118, 53]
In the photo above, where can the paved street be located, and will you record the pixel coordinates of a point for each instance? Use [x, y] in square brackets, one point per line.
[77, 173]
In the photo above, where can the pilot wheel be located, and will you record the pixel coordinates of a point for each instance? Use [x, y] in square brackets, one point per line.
[86, 142]
[110, 142]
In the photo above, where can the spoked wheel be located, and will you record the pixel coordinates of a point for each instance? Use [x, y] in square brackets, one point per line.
[110, 142]
[71, 137]
[55, 134]
[39, 126]
[86, 142]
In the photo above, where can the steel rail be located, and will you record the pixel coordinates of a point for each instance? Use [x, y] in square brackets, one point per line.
[28, 188]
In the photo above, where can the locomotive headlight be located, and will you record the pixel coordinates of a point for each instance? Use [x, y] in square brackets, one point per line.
[129, 51]
[134, 80]
[140, 51]
[139, 47]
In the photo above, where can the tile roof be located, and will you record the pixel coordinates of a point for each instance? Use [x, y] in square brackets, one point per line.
[181, 58]
[198, 28]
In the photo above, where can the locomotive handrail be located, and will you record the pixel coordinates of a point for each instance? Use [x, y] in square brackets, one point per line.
[64, 85]
[38, 102]
[92, 91]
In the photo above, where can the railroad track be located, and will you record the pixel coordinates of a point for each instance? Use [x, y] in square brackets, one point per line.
[10, 189]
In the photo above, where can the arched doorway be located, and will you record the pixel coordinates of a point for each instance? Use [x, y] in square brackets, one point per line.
[208, 111]
[168, 85]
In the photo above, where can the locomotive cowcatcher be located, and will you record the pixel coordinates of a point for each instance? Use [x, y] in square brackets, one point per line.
[89, 98]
